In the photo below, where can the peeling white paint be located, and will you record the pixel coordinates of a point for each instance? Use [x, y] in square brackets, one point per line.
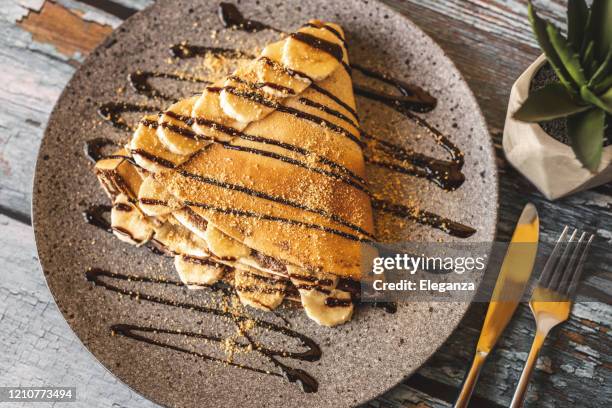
[38, 347]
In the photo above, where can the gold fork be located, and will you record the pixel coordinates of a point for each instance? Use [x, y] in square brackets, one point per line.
[550, 301]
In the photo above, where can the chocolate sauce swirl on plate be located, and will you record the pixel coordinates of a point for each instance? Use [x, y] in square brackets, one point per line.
[231, 17]
[140, 82]
[184, 50]
[311, 351]
[113, 113]
[93, 148]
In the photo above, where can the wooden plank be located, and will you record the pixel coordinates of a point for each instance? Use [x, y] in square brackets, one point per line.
[33, 76]
[404, 396]
[66, 30]
[505, 19]
[38, 348]
[35, 66]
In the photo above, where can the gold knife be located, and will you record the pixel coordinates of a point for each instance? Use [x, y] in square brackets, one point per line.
[509, 288]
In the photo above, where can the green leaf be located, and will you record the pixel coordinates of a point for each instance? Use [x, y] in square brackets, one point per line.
[539, 29]
[603, 69]
[601, 27]
[604, 85]
[586, 133]
[590, 97]
[587, 37]
[550, 102]
[577, 16]
[589, 55]
[606, 98]
[569, 57]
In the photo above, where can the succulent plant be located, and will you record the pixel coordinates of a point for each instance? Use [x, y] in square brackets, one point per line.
[582, 62]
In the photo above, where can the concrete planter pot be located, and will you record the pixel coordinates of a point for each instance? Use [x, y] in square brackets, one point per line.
[549, 164]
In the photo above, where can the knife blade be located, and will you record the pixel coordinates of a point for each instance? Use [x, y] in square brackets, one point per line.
[511, 283]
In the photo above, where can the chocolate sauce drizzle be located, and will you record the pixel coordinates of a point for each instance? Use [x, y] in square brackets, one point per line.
[113, 113]
[139, 81]
[412, 98]
[185, 50]
[446, 174]
[337, 302]
[93, 148]
[389, 307]
[231, 17]
[95, 215]
[315, 42]
[147, 335]
[425, 217]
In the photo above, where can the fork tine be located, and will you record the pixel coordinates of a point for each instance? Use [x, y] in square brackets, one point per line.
[557, 272]
[570, 267]
[552, 259]
[578, 271]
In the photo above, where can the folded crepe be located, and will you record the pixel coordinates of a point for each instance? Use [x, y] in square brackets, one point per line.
[259, 181]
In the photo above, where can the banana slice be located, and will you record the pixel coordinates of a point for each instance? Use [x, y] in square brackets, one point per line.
[179, 240]
[268, 267]
[275, 79]
[245, 103]
[322, 302]
[192, 221]
[223, 246]
[128, 223]
[311, 51]
[154, 200]
[148, 151]
[196, 272]
[258, 289]
[192, 260]
[208, 114]
[117, 175]
[318, 307]
[174, 129]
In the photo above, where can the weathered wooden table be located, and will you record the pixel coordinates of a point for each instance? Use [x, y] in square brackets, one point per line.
[41, 45]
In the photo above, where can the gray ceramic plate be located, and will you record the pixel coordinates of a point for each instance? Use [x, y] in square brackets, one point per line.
[361, 359]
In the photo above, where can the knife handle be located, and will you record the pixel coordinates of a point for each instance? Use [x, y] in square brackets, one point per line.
[470, 380]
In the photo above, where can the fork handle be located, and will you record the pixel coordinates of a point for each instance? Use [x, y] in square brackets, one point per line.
[521, 389]
[470, 380]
